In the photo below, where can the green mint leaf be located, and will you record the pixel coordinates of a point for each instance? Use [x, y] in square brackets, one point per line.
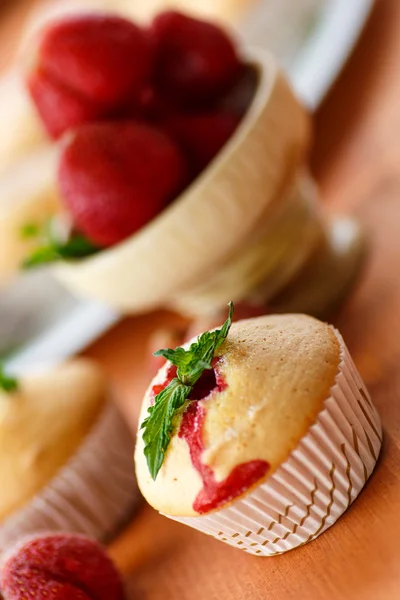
[159, 424]
[222, 333]
[7, 383]
[30, 230]
[42, 256]
[178, 357]
[191, 363]
[78, 246]
[170, 402]
[204, 348]
[51, 250]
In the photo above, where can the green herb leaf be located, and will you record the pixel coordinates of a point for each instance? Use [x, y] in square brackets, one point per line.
[158, 426]
[30, 230]
[191, 363]
[42, 256]
[170, 402]
[77, 246]
[7, 383]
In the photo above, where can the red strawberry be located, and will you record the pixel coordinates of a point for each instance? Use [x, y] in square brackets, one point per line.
[99, 61]
[60, 567]
[196, 61]
[202, 135]
[115, 177]
[58, 107]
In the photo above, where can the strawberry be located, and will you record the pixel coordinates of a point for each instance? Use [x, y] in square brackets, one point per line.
[58, 107]
[115, 177]
[94, 60]
[60, 567]
[202, 135]
[196, 61]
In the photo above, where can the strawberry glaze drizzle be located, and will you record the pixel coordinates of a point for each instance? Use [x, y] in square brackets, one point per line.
[214, 493]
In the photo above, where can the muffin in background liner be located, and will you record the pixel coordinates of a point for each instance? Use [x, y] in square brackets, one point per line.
[92, 494]
[315, 485]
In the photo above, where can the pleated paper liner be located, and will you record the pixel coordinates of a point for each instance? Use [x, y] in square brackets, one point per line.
[93, 494]
[315, 485]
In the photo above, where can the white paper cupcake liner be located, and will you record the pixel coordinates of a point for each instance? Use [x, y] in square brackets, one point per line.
[92, 494]
[315, 485]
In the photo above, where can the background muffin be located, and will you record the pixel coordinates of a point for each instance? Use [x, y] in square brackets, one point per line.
[65, 455]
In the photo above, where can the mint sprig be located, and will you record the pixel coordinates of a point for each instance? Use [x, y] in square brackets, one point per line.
[173, 399]
[7, 383]
[51, 249]
[77, 246]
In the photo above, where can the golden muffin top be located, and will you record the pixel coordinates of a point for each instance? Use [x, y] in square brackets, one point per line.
[42, 424]
[272, 375]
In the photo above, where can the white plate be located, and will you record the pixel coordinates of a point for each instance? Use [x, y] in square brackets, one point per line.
[43, 323]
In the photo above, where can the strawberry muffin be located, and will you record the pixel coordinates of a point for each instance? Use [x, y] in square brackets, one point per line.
[261, 434]
[65, 454]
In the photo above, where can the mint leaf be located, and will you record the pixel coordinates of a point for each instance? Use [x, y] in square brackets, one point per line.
[78, 246]
[51, 250]
[222, 333]
[30, 230]
[7, 383]
[158, 425]
[170, 402]
[191, 363]
[42, 256]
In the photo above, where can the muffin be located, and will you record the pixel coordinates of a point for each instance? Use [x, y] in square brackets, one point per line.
[65, 455]
[271, 445]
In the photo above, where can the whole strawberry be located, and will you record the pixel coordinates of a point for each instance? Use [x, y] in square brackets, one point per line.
[196, 61]
[95, 61]
[202, 135]
[115, 177]
[60, 567]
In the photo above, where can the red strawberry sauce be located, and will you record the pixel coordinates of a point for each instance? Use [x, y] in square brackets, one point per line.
[214, 493]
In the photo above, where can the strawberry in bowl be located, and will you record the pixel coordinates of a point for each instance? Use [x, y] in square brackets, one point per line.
[115, 177]
[79, 71]
[180, 168]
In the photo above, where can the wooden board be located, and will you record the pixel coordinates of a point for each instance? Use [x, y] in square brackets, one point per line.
[357, 162]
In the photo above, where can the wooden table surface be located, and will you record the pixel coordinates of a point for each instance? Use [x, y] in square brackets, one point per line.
[356, 159]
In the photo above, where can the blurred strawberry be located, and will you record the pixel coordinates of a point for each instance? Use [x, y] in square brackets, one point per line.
[115, 177]
[60, 567]
[202, 135]
[97, 61]
[196, 61]
[149, 107]
[58, 107]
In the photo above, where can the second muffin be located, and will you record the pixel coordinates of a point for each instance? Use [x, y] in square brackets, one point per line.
[65, 455]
